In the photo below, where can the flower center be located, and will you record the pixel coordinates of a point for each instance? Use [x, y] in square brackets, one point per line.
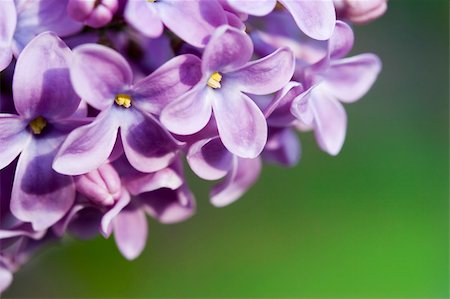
[214, 80]
[123, 100]
[37, 125]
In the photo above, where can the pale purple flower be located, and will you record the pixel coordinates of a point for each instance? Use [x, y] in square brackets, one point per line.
[21, 20]
[104, 79]
[331, 81]
[227, 75]
[360, 11]
[210, 160]
[47, 108]
[94, 13]
[193, 21]
[316, 18]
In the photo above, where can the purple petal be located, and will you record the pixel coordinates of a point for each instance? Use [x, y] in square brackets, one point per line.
[228, 49]
[330, 121]
[13, 138]
[242, 126]
[99, 73]
[209, 159]
[137, 182]
[169, 206]
[23, 230]
[283, 147]
[148, 146]
[88, 147]
[349, 79]
[315, 18]
[130, 232]
[244, 174]
[265, 75]
[6, 278]
[144, 18]
[40, 195]
[253, 7]
[200, 19]
[341, 42]
[168, 82]
[234, 21]
[301, 107]
[189, 113]
[41, 83]
[278, 113]
[8, 21]
[107, 219]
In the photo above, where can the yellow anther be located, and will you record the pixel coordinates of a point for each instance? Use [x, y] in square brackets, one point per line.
[151, 1]
[214, 80]
[123, 100]
[37, 125]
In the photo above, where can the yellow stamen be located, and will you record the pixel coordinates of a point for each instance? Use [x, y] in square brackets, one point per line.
[37, 125]
[214, 80]
[151, 1]
[279, 6]
[123, 100]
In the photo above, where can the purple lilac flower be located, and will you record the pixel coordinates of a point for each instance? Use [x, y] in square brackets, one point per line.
[199, 18]
[21, 20]
[47, 105]
[94, 13]
[226, 75]
[104, 79]
[331, 81]
[315, 18]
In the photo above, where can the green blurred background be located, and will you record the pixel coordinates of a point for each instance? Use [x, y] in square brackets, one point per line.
[372, 222]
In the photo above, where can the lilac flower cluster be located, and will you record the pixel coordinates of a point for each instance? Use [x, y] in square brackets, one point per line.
[102, 100]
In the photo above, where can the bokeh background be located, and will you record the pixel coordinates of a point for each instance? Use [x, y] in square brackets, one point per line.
[372, 222]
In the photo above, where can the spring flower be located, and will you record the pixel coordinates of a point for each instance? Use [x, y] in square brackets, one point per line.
[46, 102]
[93, 13]
[200, 18]
[331, 81]
[21, 20]
[104, 79]
[227, 75]
[316, 18]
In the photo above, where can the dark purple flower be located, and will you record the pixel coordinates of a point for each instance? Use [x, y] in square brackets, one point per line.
[227, 75]
[47, 108]
[104, 79]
